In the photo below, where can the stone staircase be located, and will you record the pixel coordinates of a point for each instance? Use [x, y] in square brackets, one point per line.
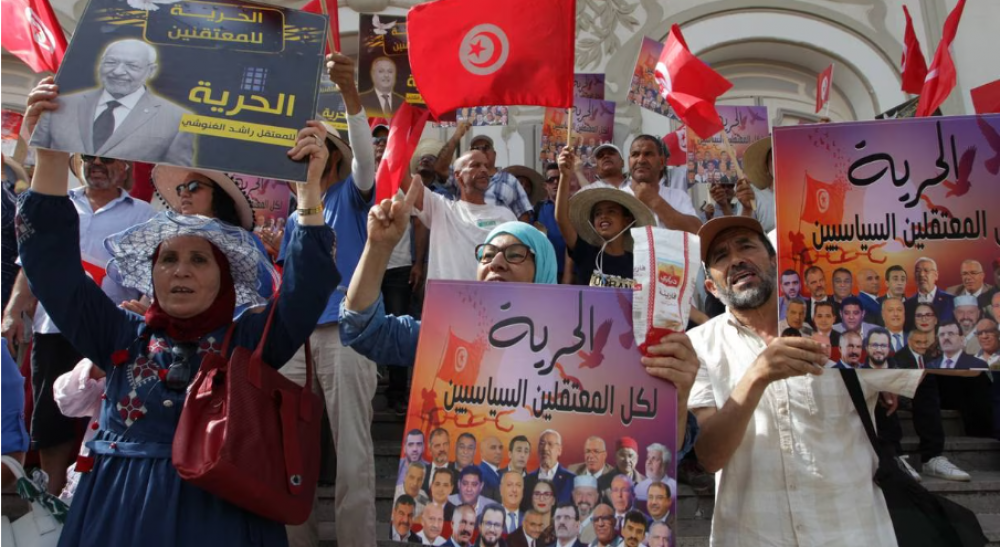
[980, 457]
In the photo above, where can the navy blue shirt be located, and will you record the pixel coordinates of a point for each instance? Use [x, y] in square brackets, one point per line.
[546, 215]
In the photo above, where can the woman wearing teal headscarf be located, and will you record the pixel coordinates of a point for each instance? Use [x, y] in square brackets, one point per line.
[514, 252]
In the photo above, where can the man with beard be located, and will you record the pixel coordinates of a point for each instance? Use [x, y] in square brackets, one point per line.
[595, 464]
[791, 288]
[969, 395]
[457, 227]
[753, 384]
[463, 525]
[953, 355]
[501, 189]
[520, 453]
[567, 524]
[492, 455]
[850, 350]
[491, 527]
[585, 498]
[671, 207]
[413, 451]
[659, 535]
[634, 530]
[549, 450]
[659, 503]
[470, 486]
[511, 495]
[440, 448]
[657, 461]
[816, 283]
[627, 459]
[869, 284]
[925, 272]
[622, 499]
[877, 347]
[104, 207]
[402, 519]
[604, 527]
[967, 315]
[433, 522]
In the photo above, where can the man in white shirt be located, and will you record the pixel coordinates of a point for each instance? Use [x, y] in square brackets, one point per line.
[792, 458]
[470, 486]
[974, 283]
[595, 464]
[433, 522]
[586, 498]
[457, 227]
[657, 462]
[967, 314]
[672, 207]
[989, 343]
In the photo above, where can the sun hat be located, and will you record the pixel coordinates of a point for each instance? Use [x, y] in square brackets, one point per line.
[755, 162]
[537, 181]
[711, 229]
[166, 179]
[347, 156]
[425, 147]
[581, 205]
[131, 251]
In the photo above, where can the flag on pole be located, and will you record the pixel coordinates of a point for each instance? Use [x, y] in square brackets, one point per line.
[942, 76]
[823, 84]
[913, 65]
[32, 33]
[690, 86]
[404, 134]
[676, 143]
[517, 52]
[330, 8]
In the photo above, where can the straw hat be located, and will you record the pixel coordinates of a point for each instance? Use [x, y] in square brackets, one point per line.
[583, 203]
[537, 181]
[424, 147]
[345, 150]
[755, 163]
[131, 251]
[166, 179]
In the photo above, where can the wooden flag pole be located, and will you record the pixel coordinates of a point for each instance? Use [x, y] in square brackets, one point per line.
[569, 127]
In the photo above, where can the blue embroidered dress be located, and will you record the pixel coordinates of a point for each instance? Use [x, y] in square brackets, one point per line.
[134, 496]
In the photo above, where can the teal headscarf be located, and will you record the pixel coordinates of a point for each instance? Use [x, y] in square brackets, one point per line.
[545, 255]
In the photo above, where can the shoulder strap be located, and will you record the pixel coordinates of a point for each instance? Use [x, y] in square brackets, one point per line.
[850, 377]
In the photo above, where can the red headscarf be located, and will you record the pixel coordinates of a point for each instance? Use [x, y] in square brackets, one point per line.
[219, 314]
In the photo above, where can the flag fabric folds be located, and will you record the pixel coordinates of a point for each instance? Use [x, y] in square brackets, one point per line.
[676, 143]
[913, 65]
[824, 202]
[942, 76]
[404, 134]
[690, 86]
[516, 52]
[824, 82]
[461, 360]
[32, 33]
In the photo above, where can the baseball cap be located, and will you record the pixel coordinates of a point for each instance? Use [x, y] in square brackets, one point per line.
[711, 229]
[481, 138]
[607, 145]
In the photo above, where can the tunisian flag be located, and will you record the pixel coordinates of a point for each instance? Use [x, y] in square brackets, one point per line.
[689, 85]
[942, 77]
[823, 84]
[32, 33]
[404, 134]
[513, 52]
[824, 202]
[461, 359]
[677, 145]
[913, 65]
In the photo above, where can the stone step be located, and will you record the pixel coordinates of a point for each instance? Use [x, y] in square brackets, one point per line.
[968, 453]
[951, 422]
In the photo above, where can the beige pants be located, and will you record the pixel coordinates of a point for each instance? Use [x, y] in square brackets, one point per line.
[348, 383]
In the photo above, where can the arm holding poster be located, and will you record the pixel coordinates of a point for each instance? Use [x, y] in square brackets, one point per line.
[359, 134]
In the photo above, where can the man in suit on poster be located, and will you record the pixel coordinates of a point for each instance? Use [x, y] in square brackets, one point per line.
[382, 101]
[549, 451]
[925, 273]
[123, 118]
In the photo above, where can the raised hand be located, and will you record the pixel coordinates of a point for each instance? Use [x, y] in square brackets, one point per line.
[311, 144]
[387, 221]
[43, 97]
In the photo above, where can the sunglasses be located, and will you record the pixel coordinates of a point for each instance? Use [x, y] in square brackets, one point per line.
[552, 179]
[179, 374]
[513, 254]
[191, 187]
[93, 158]
[379, 140]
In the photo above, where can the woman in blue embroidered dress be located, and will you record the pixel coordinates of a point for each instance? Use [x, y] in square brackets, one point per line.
[199, 270]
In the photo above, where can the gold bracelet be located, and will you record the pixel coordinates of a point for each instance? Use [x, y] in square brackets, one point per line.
[312, 211]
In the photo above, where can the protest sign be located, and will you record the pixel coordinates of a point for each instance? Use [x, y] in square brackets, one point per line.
[476, 116]
[509, 364]
[895, 208]
[11, 128]
[269, 198]
[593, 125]
[644, 91]
[709, 159]
[588, 86]
[384, 77]
[223, 85]
[330, 104]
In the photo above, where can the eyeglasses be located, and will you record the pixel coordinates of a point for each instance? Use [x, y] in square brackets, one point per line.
[542, 494]
[484, 148]
[179, 374]
[924, 316]
[514, 254]
[94, 158]
[191, 186]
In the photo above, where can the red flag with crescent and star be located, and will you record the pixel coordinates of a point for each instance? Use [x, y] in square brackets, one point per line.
[824, 202]
[461, 359]
[823, 84]
[32, 33]
[500, 55]
[689, 85]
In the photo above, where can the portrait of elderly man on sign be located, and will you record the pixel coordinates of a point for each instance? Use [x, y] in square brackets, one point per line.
[123, 118]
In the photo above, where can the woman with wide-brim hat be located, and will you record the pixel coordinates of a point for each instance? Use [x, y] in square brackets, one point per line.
[199, 269]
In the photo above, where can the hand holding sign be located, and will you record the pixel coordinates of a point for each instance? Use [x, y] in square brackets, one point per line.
[745, 195]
